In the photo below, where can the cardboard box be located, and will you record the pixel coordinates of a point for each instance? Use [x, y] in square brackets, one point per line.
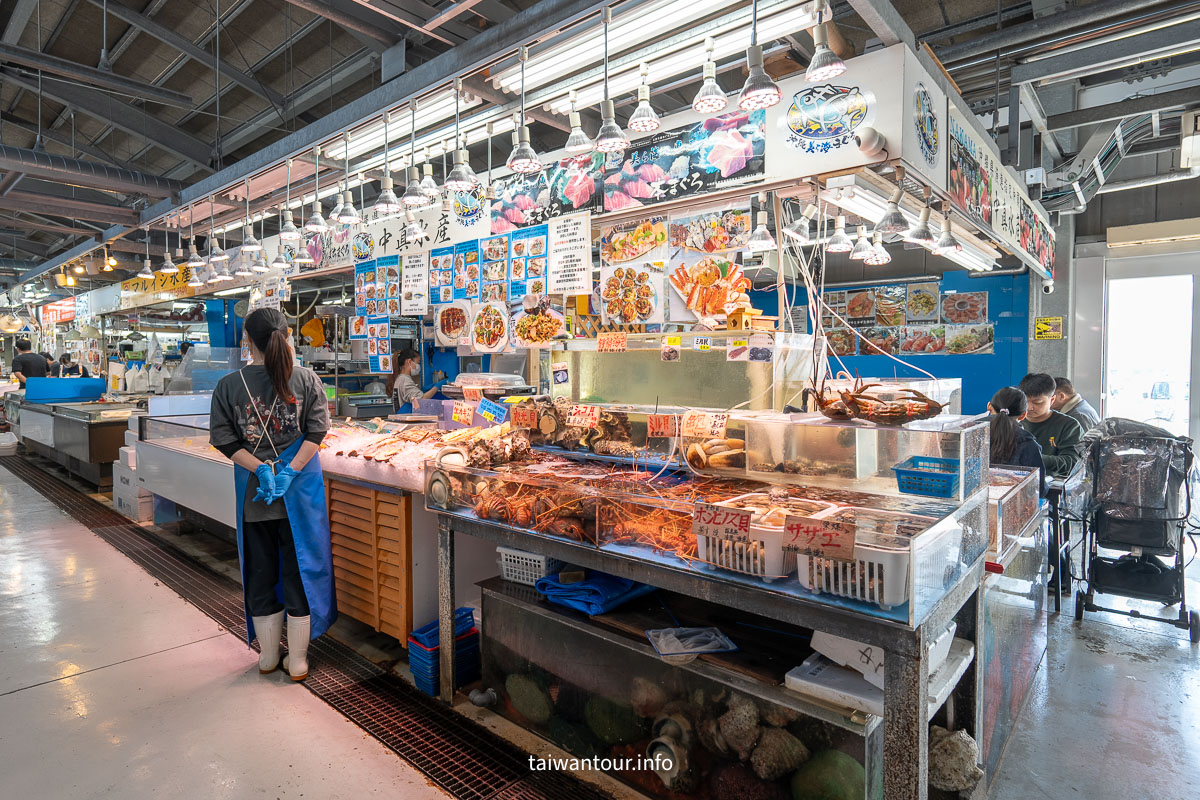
[126, 481]
[137, 509]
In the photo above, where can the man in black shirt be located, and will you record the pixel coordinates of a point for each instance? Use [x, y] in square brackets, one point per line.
[52, 366]
[27, 364]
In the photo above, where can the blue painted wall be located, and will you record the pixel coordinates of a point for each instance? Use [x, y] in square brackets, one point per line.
[982, 375]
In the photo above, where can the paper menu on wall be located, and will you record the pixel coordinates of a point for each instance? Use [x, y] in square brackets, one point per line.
[465, 267]
[441, 275]
[570, 246]
[530, 259]
[387, 277]
[414, 285]
[493, 253]
[379, 344]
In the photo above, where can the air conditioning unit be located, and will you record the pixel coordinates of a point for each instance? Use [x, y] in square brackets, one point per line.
[1189, 141]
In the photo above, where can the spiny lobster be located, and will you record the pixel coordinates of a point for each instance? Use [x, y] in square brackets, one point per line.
[857, 404]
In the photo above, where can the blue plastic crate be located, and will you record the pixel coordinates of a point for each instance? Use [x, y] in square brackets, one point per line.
[427, 635]
[928, 476]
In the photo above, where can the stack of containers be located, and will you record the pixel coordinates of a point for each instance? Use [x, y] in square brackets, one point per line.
[128, 496]
[423, 657]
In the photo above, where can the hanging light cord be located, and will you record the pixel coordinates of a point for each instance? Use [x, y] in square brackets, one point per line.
[457, 92]
[524, 56]
[754, 23]
[607, 18]
[387, 164]
[412, 133]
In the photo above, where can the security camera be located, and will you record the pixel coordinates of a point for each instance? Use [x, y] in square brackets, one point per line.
[870, 141]
[1048, 287]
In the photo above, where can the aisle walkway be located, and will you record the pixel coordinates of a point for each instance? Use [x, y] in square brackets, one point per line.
[112, 685]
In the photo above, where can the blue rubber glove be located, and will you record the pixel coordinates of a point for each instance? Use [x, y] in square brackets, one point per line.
[283, 482]
[266, 482]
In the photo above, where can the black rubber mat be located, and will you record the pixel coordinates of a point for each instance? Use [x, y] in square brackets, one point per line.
[460, 756]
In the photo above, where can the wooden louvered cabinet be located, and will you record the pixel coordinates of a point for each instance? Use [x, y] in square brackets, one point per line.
[372, 554]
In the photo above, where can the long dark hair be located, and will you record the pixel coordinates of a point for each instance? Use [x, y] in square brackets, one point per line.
[267, 328]
[1009, 405]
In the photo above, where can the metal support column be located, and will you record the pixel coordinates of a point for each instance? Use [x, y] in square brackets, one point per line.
[905, 727]
[446, 608]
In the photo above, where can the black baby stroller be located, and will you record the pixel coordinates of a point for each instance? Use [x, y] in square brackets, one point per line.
[1140, 501]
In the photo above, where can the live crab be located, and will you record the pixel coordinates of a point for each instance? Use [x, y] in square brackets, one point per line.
[857, 404]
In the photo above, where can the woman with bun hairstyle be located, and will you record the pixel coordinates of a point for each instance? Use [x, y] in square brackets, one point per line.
[269, 418]
[1012, 445]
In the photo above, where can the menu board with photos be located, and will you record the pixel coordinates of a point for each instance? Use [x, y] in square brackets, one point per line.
[414, 285]
[530, 258]
[908, 320]
[493, 253]
[379, 344]
[466, 270]
[387, 278]
[365, 287]
[441, 275]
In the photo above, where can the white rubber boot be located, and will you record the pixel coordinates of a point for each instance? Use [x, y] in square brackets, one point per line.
[268, 630]
[296, 661]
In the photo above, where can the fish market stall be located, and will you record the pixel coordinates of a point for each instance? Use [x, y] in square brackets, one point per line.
[83, 437]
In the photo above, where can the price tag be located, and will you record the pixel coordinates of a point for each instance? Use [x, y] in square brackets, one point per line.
[674, 341]
[702, 343]
[472, 394]
[513, 399]
[738, 350]
[718, 522]
[492, 412]
[668, 351]
[524, 417]
[583, 417]
[615, 342]
[464, 412]
[704, 425]
[818, 538]
[662, 426]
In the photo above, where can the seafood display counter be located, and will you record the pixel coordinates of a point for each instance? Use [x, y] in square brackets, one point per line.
[84, 437]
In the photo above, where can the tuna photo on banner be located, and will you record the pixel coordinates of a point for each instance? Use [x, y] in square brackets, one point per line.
[567, 186]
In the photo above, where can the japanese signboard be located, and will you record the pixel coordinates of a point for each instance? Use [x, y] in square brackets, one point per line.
[58, 311]
[819, 539]
[718, 522]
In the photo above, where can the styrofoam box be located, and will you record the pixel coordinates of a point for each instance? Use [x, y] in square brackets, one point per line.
[868, 659]
[137, 509]
[131, 438]
[133, 422]
[126, 482]
[128, 457]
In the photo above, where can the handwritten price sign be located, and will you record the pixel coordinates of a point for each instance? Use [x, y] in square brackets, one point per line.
[464, 412]
[472, 394]
[524, 417]
[820, 539]
[702, 343]
[703, 425]
[615, 342]
[583, 417]
[718, 522]
[662, 426]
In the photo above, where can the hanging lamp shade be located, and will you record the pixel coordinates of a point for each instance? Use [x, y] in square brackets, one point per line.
[289, 232]
[337, 209]
[921, 233]
[462, 177]
[761, 239]
[250, 244]
[168, 266]
[241, 267]
[862, 245]
[387, 203]
[260, 263]
[578, 142]
[524, 159]
[302, 256]
[216, 253]
[414, 196]
[194, 282]
[280, 261]
[194, 261]
[825, 64]
[644, 119]
[879, 254]
[893, 220]
[710, 97]
[760, 90]
[947, 243]
[429, 185]
[316, 221]
[839, 242]
[610, 138]
[147, 270]
[348, 215]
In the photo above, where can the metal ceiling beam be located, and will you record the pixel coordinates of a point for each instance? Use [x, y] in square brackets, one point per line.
[90, 75]
[61, 206]
[190, 49]
[485, 90]
[18, 20]
[1060, 21]
[413, 13]
[137, 248]
[10, 181]
[1028, 98]
[25, 246]
[1166, 101]
[885, 21]
[120, 115]
[63, 139]
[376, 26]
[73, 172]
[47, 227]
[1161, 42]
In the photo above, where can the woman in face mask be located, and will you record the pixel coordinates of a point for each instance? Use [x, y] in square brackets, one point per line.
[269, 418]
[408, 386]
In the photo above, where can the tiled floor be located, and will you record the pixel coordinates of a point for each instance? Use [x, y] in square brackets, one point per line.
[112, 685]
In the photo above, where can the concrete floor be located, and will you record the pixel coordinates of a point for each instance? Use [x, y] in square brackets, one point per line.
[112, 685]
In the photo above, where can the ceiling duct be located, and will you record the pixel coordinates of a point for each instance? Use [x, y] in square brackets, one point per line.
[85, 173]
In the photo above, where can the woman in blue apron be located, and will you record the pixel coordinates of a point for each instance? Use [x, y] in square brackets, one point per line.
[269, 418]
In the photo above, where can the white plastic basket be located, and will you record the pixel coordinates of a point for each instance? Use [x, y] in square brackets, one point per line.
[527, 568]
[762, 555]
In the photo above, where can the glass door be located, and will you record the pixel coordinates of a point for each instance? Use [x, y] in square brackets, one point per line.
[1148, 353]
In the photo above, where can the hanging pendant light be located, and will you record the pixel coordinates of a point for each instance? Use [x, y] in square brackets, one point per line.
[260, 264]
[280, 261]
[348, 214]
[428, 185]
[825, 63]
[414, 195]
[644, 119]
[578, 142]
[710, 97]
[168, 266]
[761, 239]
[194, 282]
[462, 177]
[610, 138]
[241, 267]
[387, 203]
[109, 262]
[333, 214]
[288, 232]
[893, 220]
[302, 256]
[194, 262]
[413, 227]
[862, 245]
[249, 243]
[921, 233]
[879, 254]
[839, 242]
[798, 231]
[524, 159]
[316, 223]
[147, 268]
[947, 243]
[760, 90]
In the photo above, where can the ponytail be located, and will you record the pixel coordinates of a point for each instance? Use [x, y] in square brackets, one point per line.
[267, 328]
[1009, 405]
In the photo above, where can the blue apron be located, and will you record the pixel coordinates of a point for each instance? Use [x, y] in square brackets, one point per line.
[309, 517]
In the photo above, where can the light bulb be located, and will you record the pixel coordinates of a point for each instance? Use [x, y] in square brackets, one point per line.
[280, 261]
[862, 245]
[893, 220]
[212, 276]
[168, 266]
[414, 195]
[578, 142]
[79, 270]
[241, 268]
[429, 186]
[260, 264]
[920, 233]
[825, 63]
[316, 222]
[194, 282]
[524, 159]
[710, 98]
[799, 229]
[643, 119]
[194, 260]
[387, 203]
[289, 232]
[302, 256]
[947, 243]
[147, 271]
[760, 90]
[761, 240]
[348, 214]
[415, 229]
[610, 139]
[249, 243]
[879, 254]
[462, 177]
[336, 210]
[839, 242]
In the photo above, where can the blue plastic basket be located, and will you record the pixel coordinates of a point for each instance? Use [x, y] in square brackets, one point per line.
[427, 635]
[928, 476]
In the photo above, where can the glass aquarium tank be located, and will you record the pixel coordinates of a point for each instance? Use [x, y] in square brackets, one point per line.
[615, 432]
[672, 730]
[1012, 503]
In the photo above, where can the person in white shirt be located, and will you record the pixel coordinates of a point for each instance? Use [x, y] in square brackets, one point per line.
[407, 388]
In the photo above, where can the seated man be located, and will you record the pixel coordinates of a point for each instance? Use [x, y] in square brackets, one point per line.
[1060, 436]
[1067, 401]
